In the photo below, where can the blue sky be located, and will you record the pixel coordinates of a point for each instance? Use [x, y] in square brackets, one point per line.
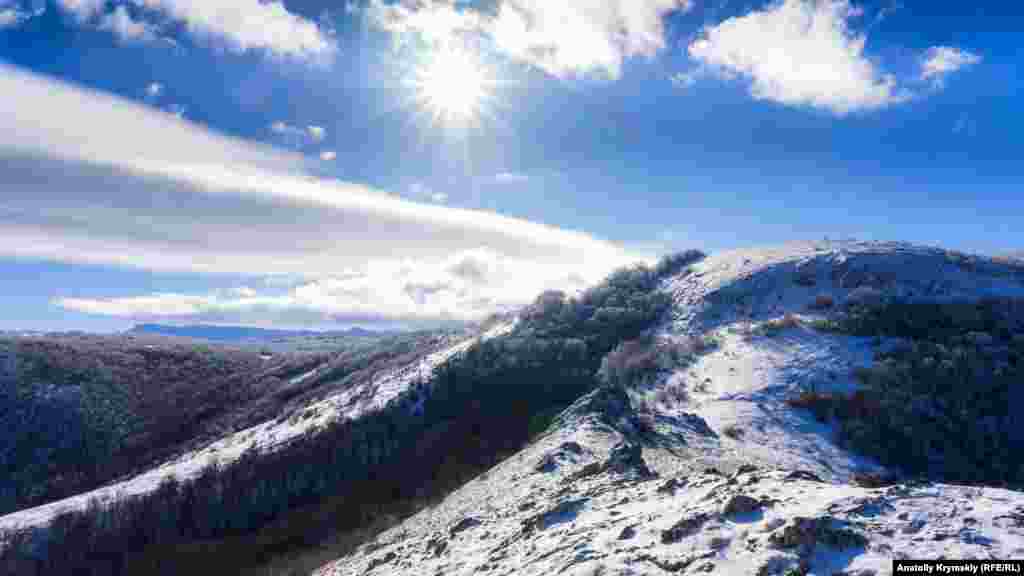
[317, 163]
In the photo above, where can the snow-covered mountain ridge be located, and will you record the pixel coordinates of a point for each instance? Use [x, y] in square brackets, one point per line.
[726, 476]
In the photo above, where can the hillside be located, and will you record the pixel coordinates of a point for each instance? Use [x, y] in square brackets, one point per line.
[808, 408]
[85, 410]
[716, 467]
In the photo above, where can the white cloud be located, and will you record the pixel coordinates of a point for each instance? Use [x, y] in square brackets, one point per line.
[241, 24]
[154, 89]
[941, 61]
[465, 286]
[127, 29]
[316, 133]
[511, 178]
[564, 38]
[439, 197]
[328, 155]
[92, 178]
[799, 53]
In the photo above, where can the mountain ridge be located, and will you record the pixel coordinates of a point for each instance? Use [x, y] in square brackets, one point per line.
[224, 333]
[737, 413]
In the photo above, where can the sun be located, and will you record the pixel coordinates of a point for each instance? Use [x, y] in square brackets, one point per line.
[453, 85]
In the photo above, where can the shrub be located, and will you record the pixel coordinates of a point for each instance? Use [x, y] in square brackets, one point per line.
[775, 326]
[734, 432]
[672, 264]
[640, 361]
[937, 404]
[476, 407]
[822, 302]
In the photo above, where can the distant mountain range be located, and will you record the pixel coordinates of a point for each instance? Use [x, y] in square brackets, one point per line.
[246, 333]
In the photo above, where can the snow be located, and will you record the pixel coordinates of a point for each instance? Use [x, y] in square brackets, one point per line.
[534, 520]
[761, 283]
[741, 384]
[355, 402]
[744, 384]
[585, 532]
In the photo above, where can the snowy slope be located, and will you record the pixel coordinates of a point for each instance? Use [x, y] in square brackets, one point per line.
[354, 402]
[583, 500]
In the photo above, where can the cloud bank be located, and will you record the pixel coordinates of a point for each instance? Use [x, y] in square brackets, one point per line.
[80, 185]
[563, 39]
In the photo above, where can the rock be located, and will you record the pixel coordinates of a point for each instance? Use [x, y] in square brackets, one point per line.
[627, 458]
[670, 486]
[874, 480]
[684, 527]
[546, 464]
[803, 475]
[463, 525]
[437, 546]
[591, 469]
[564, 511]
[745, 468]
[914, 526]
[386, 559]
[807, 533]
[627, 533]
[572, 447]
[719, 542]
[671, 565]
[741, 504]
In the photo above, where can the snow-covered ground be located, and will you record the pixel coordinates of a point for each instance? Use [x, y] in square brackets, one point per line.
[351, 403]
[784, 496]
[524, 519]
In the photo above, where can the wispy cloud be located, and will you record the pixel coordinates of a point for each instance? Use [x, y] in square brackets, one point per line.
[13, 13]
[941, 61]
[567, 38]
[511, 178]
[800, 53]
[241, 25]
[92, 178]
[126, 28]
[296, 136]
